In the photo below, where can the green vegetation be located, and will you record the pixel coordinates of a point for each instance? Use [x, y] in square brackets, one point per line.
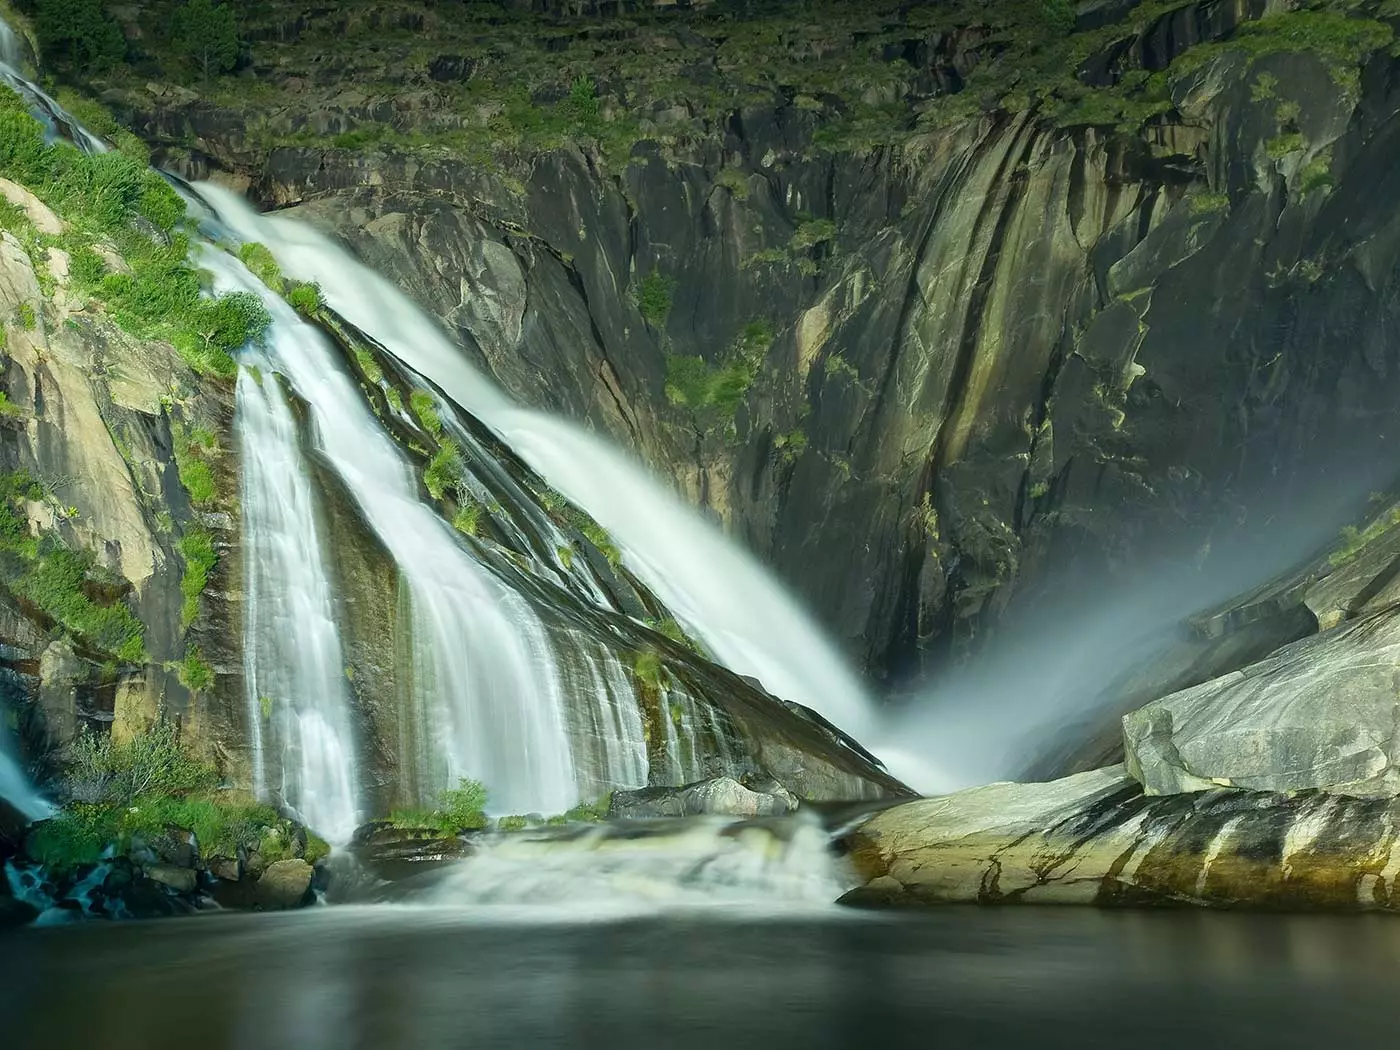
[565, 513]
[197, 548]
[715, 391]
[462, 808]
[261, 264]
[424, 408]
[735, 181]
[1208, 203]
[137, 790]
[653, 295]
[1355, 540]
[467, 520]
[194, 674]
[25, 319]
[65, 585]
[196, 475]
[445, 474]
[114, 199]
[1316, 174]
[594, 812]
[305, 298]
[79, 34]
[8, 409]
[813, 232]
[206, 34]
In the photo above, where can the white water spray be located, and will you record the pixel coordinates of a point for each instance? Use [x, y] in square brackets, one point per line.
[717, 590]
[293, 668]
[700, 861]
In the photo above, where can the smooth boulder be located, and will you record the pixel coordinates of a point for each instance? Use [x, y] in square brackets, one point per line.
[1095, 838]
[284, 884]
[1320, 714]
[721, 796]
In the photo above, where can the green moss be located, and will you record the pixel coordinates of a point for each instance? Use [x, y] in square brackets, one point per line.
[1208, 203]
[196, 475]
[594, 812]
[25, 319]
[512, 823]
[565, 554]
[653, 295]
[1281, 146]
[1316, 174]
[812, 233]
[197, 549]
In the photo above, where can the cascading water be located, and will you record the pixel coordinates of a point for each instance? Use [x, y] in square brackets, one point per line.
[15, 787]
[712, 586]
[485, 682]
[695, 862]
[293, 670]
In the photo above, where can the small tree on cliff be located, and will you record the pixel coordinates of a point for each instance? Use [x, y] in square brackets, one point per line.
[79, 32]
[206, 33]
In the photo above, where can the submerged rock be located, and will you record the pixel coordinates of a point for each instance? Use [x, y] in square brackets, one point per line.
[720, 796]
[1095, 838]
[1318, 714]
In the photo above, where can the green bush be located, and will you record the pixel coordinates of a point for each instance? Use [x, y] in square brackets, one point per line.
[462, 808]
[194, 674]
[445, 473]
[99, 770]
[305, 298]
[653, 296]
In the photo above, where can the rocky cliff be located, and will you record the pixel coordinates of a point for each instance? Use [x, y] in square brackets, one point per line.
[933, 305]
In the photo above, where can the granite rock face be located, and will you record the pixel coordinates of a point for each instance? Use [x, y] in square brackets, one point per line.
[723, 796]
[1095, 838]
[1012, 346]
[1320, 714]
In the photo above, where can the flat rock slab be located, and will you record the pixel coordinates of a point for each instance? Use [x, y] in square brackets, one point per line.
[1095, 838]
[1322, 713]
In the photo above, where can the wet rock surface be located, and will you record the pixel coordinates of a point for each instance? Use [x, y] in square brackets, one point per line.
[723, 796]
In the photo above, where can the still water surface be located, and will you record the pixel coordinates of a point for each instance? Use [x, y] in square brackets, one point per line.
[396, 976]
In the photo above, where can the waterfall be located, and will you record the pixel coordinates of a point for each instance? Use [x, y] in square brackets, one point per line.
[293, 669]
[486, 688]
[16, 789]
[717, 590]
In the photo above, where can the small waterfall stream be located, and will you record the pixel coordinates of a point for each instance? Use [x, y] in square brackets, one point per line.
[293, 668]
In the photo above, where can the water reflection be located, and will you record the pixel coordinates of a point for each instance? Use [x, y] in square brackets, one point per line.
[385, 976]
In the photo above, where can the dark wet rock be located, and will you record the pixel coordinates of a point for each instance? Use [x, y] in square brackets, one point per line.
[181, 880]
[1095, 838]
[382, 844]
[722, 796]
[226, 869]
[284, 884]
[15, 913]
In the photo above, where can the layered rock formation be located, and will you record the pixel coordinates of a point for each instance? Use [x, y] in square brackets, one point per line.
[990, 302]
